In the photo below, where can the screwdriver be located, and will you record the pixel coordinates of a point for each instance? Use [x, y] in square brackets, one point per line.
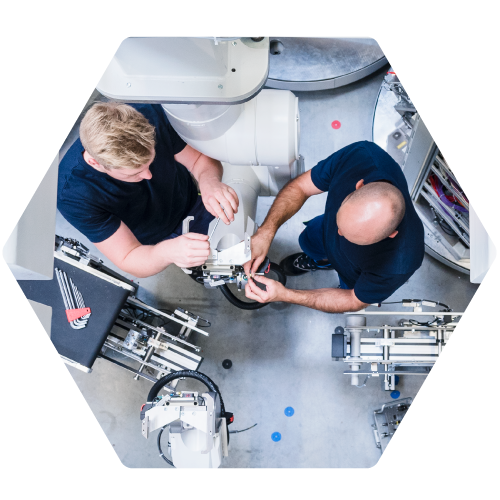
[216, 224]
[215, 227]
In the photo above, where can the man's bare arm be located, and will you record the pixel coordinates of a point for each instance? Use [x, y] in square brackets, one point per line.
[214, 193]
[127, 253]
[288, 202]
[332, 300]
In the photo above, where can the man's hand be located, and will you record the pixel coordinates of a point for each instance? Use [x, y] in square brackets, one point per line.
[208, 172]
[188, 250]
[274, 292]
[215, 193]
[259, 243]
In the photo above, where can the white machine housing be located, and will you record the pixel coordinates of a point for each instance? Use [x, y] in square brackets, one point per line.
[197, 432]
[258, 143]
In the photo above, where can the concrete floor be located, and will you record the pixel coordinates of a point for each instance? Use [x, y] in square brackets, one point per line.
[281, 353]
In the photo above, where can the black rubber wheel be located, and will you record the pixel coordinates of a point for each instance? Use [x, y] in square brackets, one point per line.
[251, 305]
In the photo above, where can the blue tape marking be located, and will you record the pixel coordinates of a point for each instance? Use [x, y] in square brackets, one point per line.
[289, 411]
[276, 436]
[395, 394]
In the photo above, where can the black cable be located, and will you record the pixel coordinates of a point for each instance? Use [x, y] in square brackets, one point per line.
[249, 306]
[446, 228]
[208, 324]
[243, 430]
[153, 393]
[158, 442]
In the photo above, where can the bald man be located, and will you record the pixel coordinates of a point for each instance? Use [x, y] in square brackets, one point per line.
[370, 232]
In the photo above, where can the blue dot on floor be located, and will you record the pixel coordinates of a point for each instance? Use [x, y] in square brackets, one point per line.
[289, 411]
[276, 436]
[395, 394]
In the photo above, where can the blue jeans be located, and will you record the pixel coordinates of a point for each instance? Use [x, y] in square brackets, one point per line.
[202, 219]
[311, 242]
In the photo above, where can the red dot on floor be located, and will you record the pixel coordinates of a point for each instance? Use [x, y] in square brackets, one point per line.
[336, 124]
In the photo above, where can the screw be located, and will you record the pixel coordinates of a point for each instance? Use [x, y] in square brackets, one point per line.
[234, 44]
[221, 86]
[129, 84]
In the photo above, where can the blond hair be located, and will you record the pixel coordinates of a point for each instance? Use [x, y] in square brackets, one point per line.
[117, 135]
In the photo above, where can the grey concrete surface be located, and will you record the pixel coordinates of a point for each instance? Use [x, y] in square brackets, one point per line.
[281, 353]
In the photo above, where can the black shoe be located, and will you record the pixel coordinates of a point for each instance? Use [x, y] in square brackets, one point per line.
[300, 263]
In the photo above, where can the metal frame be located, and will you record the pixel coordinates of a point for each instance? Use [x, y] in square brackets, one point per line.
[155, 348]
[405, 349]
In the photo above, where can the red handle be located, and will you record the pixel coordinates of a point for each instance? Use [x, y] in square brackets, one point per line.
[73, 314]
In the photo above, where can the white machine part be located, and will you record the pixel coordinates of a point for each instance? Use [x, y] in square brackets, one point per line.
[187, 70]
[262, 131]
[258, 144]
[197, 434]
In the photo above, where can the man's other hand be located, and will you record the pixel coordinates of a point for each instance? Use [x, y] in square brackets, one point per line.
[189, 250]
[274, 292]
[215, 193]
[259, 243]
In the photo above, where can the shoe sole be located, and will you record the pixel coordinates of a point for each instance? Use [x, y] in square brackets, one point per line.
[288, 269]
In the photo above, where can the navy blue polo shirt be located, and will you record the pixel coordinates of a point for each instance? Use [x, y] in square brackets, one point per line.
[96, 203]
[374, 271]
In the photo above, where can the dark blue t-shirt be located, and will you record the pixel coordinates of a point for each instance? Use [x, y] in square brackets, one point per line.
[95, 203]
[374, 271]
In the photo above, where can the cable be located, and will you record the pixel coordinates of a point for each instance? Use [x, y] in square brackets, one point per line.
[153, 393]
[447, 308]
[208, 324]
[158, 442]
[446, 228]
[254, 304]
[243, 430]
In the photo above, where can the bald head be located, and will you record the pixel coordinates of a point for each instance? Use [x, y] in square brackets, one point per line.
[371, 213]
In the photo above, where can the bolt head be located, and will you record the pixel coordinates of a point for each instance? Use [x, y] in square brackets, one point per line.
[220, 86]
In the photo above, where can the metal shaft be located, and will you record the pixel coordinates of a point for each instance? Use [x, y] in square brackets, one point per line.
[148, 355]
[387, 380]
[352, 324]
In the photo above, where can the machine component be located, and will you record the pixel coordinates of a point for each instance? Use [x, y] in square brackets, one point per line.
[263, 131]
[409, 348]
[444, 210]
[230, 244]
[77, 317]
[387, 420]
[234, 276]
[140, 333]
[154, 342]
[261, 134]
[75, 253]
[188, 70]
[273, 269]
[439, 200]
[197, 424]
[308, 64]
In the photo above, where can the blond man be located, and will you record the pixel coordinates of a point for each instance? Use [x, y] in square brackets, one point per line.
[127, 185]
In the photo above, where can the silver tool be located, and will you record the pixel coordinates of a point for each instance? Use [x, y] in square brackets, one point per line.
[72, 298]
[185, 230]
[213, 230]
[216, 224]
